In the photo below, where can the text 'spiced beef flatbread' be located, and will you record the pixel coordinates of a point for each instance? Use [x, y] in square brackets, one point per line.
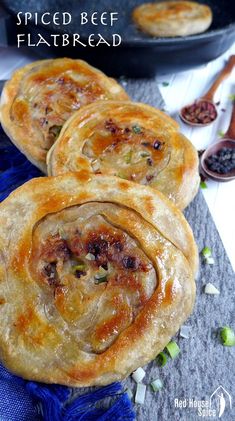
[172, 18]
[97, 274]
[132, 141]
[41, 96]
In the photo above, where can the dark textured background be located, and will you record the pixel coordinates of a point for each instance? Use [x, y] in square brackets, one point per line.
[221, 14]
[204, 363]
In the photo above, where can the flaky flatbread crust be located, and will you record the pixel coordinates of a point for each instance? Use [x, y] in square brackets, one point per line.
[130, 140]
[42, 95]
[43, 331]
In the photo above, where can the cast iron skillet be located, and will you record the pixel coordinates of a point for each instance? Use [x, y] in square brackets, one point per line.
[139, 55]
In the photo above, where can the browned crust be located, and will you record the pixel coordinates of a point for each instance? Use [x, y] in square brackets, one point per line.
[23, 133]
[172, 18]
[179, 180]
[30, 344]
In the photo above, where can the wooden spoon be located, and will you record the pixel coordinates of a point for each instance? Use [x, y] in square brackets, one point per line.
[203, 111]
[228, 141]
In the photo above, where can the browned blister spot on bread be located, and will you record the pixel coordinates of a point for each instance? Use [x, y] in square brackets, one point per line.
[33, 330]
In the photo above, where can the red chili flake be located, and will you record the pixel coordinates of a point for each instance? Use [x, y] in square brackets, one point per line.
[149, 177]
[111, 126]
[61, 81]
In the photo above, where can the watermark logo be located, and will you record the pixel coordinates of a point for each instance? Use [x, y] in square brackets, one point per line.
[220, 399]
[214, 407]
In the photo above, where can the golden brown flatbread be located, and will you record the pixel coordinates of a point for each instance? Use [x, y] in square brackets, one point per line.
[130, 140]
[41, 96]
[97, 274]
[172, 18]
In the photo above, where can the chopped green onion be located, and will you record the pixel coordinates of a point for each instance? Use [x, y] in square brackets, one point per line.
[203, 185]
[206, 252]
[95, 165]
[210, 261]
[211, 289]
[185, 331]
[128, 157]
[101, 275]
[165, 84]
[227, 336]
[161, 359]
[140, 393]
[157, 385]
[232, 97]
[144, 154]
[100, 280]
[138, 375]
[120, 175]
[221, 133]
[90, 256]
[173, 349]
[102, 271]
[129, 393]
[62, 233]
[136, 129]
[79, 267]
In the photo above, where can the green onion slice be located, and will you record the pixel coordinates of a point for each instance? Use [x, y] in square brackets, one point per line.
[100, 280]
[173, 349]
[90, 256]
[156, 385]
[79, 267]
[128, 157]
[120, 175]
[145, 154]
[101, 275]
[136, 129]
[206, 252]
[203, 185]
[138, 375]
[227, 336]
[161, 359]
[210, 260]
[140, 393]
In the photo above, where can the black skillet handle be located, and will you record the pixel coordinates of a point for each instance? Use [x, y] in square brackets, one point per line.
[7, 29]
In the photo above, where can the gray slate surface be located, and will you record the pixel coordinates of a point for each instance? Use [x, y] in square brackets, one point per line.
[204, 363]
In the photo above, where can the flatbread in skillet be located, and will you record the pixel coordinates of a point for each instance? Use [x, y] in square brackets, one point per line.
[172, 18]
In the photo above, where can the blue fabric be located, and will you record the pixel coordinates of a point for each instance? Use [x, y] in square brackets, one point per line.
[21, 400]
[15, 169]
[15, 403]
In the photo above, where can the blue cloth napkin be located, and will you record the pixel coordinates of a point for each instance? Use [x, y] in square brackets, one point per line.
[15, 402]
